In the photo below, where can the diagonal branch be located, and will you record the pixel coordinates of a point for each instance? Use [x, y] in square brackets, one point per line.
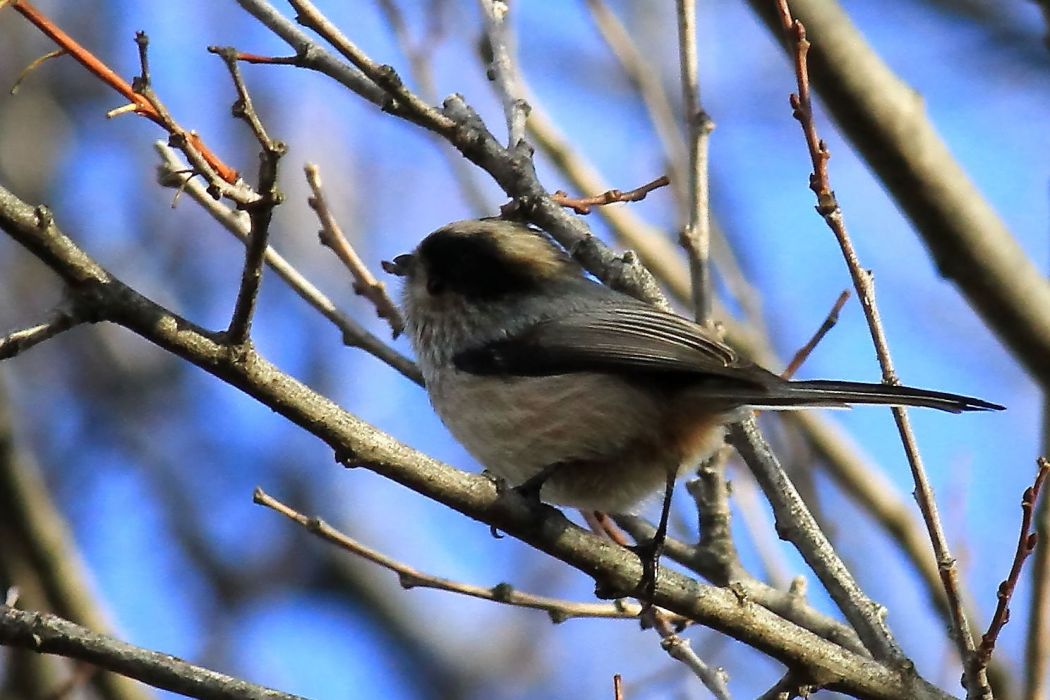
[884, 119]
[174, 174]
[51, 634]
[331, 235]
[828, 208]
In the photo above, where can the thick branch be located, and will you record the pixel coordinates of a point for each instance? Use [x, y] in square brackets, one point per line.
[51, 634]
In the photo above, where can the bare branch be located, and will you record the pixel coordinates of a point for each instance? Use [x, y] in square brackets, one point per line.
[401, 101]
[829, 322]
[61, 319]
[174, 174]
[331, 235]
[559, 610]
[51, 634]
[1037, 637]
[582, 205]
[696, 233]
[679, 649]
[1026, 543]
[828, 208]
[503, 72]
[796, 524]
[260, 212]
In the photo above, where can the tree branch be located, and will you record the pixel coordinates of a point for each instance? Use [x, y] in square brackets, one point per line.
[51, 634]
[884, 119]
[612, 567]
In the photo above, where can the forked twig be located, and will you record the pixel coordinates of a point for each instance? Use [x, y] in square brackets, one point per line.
[187, 140]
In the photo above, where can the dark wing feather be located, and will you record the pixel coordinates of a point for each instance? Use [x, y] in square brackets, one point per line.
[608, 338]
[631, 338]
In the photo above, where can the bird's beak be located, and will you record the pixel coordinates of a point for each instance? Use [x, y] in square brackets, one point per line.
[400, 265]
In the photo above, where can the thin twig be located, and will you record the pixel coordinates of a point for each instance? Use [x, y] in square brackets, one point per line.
[1037, 637]
[331, 235]
[419, 67]
[827, 207]
[679, 649]
[559, 610]
[715, 552]
[582, 205]
[188, 141]
[260, 212]
[1026, 543]
[33, 65]
[61, 319]
[696, 232]
[617, 687]
[173, 174]
[829, 322]
[502, 71]
[400, 101]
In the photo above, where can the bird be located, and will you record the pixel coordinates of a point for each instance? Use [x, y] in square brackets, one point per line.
[577, 394]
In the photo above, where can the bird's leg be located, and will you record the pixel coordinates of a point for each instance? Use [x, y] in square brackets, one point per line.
[530, 488]
[649, 551]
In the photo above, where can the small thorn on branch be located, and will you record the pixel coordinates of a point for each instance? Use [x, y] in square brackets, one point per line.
[583, 205]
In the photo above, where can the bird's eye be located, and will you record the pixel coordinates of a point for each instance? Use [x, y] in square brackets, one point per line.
[435, 285]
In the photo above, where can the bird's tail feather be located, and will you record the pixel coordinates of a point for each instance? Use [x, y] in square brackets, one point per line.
[839, 394]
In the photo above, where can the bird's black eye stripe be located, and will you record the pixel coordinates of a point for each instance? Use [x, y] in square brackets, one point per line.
[473, 266]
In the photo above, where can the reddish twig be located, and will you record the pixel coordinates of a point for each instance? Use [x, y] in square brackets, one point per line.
[617, 687]
[1026, 543]
[268, 60]
[142, 104]
[806, 350]
[802, 105]
[583, 205]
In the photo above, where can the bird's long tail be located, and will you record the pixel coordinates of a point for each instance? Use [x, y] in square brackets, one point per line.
[830, 393]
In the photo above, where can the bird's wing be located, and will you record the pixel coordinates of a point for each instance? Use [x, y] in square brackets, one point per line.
[610, 338]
